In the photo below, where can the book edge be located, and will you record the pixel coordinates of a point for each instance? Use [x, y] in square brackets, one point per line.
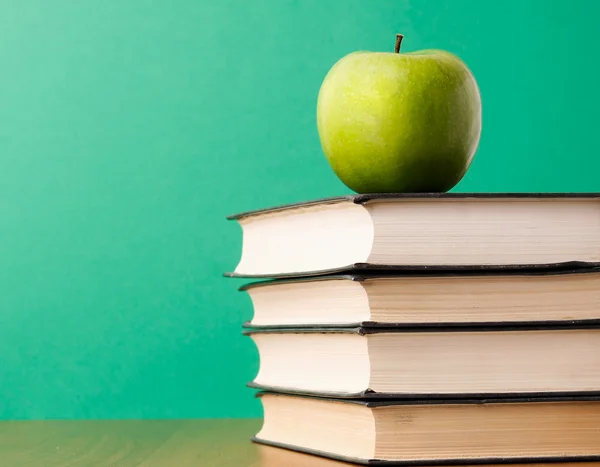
[248, 326]
[366, 197]
[379, 462]
[368, 275]
[562, 266]
[435, 328]
[370, 398]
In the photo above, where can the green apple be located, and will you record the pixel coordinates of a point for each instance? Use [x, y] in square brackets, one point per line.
[399, 122]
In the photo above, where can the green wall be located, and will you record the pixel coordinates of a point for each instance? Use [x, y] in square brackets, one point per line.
[130, 129]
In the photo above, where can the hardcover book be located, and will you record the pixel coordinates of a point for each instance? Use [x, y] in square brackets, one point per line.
[427, 300]
[436, 231]
[434, 432]
[428, 363]
[272, 456]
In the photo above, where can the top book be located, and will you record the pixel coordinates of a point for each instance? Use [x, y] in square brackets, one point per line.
[437, 231]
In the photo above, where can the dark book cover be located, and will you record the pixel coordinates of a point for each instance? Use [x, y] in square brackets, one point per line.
[248, 326]
[389, 268]
[362, 330]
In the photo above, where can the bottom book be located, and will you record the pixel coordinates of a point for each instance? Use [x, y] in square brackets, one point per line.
[270, 456]
[434, 432]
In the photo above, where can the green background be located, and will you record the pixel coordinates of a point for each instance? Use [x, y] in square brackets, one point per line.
[130, 129]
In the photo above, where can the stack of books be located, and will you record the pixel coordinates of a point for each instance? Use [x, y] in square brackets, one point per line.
[428, 328]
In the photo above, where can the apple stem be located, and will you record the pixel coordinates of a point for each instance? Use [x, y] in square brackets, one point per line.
[399, 38]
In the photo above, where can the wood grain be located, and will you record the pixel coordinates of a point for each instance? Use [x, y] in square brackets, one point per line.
[173, 443]
[205, 443]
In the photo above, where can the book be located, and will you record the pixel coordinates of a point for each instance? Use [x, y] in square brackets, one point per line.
[272, 456]
[434, 432]
[440, 299]
[420, 231]
[428, 363]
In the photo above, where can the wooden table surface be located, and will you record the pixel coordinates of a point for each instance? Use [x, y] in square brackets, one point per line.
[186, 443]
